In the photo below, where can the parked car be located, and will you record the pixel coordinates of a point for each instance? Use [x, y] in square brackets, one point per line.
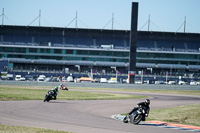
[9, 76]
[194, 83]
[85, 79]
[97, 80]
[41, 78]
[125, 80]
[112, 80]
[181, 82]
[138, 82]
[172, 82]
[19, 78]
[159, 82]
[22, 79]
[70, 79]
[103, 80]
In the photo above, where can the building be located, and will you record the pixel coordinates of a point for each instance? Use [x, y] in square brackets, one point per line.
[72, 50]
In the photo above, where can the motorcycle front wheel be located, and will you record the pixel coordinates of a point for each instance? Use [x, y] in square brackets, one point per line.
[125, 120]
[47, 98]
[136, 119]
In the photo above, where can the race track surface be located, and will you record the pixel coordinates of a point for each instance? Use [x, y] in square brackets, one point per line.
[86, 116]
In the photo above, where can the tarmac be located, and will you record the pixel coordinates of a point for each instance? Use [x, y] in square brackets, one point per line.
[91, 116]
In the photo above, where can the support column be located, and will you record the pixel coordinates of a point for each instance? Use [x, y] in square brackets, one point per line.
[133, 43]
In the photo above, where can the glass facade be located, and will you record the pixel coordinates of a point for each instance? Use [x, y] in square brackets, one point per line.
[65, 54]
[169, 58]
[100, 55]
[177, 63]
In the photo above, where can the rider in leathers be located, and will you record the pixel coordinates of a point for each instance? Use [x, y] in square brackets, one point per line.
[144, 105]
[55, 90]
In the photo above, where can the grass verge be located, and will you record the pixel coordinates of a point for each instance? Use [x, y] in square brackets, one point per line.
[188, 115]
[11, 93]
[178, 92]
[19, 129]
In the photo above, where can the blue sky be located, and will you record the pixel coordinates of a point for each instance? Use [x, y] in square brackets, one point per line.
[165, 15]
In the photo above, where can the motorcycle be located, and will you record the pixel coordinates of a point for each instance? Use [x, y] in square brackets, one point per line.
[49, 96]
[138, 115]
[63, 87]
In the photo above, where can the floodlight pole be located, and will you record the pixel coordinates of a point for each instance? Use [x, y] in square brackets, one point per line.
[113, 21]
[149, 23]
[39, 17]
[76, 25]
[185, 24]
[2, 16]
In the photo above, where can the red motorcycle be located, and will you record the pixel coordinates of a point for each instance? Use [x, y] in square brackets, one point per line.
[63, 87]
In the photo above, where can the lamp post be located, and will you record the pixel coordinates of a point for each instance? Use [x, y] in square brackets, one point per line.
[79, 68]
[142, 77]
[166, 77]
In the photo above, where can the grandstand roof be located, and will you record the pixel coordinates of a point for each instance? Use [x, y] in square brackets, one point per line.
[96, 37]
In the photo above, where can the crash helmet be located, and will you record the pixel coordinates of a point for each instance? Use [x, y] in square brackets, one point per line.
[56, 89]
[147, 102]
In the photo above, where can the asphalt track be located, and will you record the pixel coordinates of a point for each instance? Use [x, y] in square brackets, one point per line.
[87, 116]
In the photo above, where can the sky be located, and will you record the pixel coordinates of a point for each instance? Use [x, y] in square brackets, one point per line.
[165, 15]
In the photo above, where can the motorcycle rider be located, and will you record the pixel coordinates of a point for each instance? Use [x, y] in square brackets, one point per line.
[55, 90]
[61, 86]
[144, 105]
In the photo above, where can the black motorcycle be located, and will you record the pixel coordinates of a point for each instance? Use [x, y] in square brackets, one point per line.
[49, 96]
[138, 115]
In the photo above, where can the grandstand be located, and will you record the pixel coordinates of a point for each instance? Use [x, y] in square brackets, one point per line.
[53, 49]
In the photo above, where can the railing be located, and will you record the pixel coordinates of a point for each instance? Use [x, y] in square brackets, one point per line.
[98, 47]
[170, 75]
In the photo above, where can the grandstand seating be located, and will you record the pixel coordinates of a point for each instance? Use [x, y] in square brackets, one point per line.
[88, 37]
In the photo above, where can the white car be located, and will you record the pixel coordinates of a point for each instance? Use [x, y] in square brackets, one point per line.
[159, 82]
[41, 78]
[103, 80]
[181, 82]
[194, 83]
[138, 82]
[22, 79]
[172, 82]
[70, 79]
[17, 78]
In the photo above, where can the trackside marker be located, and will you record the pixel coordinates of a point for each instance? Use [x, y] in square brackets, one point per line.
[162, 124]
[174, 125]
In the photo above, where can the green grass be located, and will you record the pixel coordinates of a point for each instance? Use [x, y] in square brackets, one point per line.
[9, 94]
[79, 95]
[19, 129]
[22, 93]
[179, 92]
[189, 115]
